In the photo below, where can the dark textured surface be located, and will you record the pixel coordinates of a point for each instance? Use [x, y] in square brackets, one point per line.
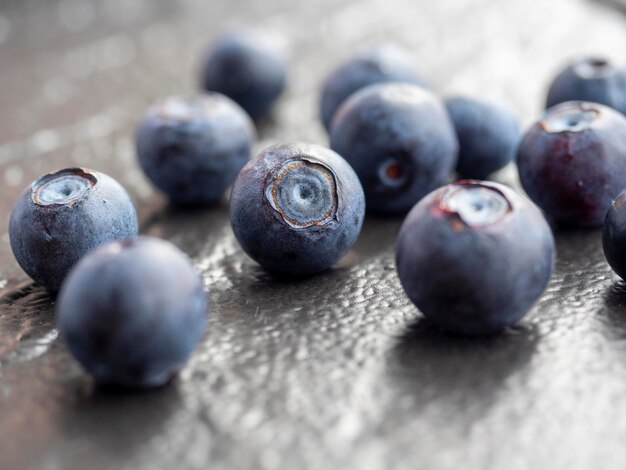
[336, 371]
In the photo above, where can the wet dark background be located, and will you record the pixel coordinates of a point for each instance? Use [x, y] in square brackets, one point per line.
[336, 371]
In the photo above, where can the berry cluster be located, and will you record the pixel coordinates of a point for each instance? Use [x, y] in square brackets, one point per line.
[473, 256]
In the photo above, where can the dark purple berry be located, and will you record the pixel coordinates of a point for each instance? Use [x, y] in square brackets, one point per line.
[614, 235]
[572, 162]
[193, 148]
[248, 66]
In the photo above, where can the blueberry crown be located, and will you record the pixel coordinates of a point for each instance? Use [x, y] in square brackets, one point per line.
[304, 193]
[573, 116]
[476, 204]
[63, 187]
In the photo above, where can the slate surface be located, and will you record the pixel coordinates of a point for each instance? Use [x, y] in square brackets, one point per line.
[337, 371]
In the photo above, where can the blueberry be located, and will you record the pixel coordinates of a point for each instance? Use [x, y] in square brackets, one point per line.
[488, 135]
[379, 64]
[193, 148]
[474, 256]
[132, 311]
[297, 208]
[399, 140]
[248, 66]
[590, 79]
[572, 162]
[62, 216]
[614, 235]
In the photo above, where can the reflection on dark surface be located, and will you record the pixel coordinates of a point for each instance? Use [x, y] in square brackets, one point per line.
[188, 227]
[468, 374]
[614, 311]
[615, 297]
[10, 295]
[27, 321]
[378, 235]
[127, 432]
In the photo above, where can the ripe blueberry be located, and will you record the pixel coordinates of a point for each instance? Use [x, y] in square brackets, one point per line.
[132, 311]
[488, 135]
[474, 256]
[399, 140]
[614, 235]
[62, 216]
[380, 64]
[249, 67]
[591, 79]
[297, 208]
[572, 162]
[193, 148]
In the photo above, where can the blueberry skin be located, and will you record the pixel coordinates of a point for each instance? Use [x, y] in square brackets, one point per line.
[132, 311]
[474, 256]
[614, 235]
[488, 135]
[572, 162]
[399, 140]
[297, 208]
[590, 79]
[193, 148]
[64, 215]
[249, 67]
[379, 64]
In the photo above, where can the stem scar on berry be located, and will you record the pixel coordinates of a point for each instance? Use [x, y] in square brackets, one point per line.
[304, 193]
[62, 187]
[475, 204]
[574, 117]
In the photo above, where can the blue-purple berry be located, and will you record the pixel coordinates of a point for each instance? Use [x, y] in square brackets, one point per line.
[62, 216]
[592, 79]
[192, 148]
[248, 66]
[399, 140]
[297, 208]
[132, 311]
[474, 257]
[378, 64]
[488, 135]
